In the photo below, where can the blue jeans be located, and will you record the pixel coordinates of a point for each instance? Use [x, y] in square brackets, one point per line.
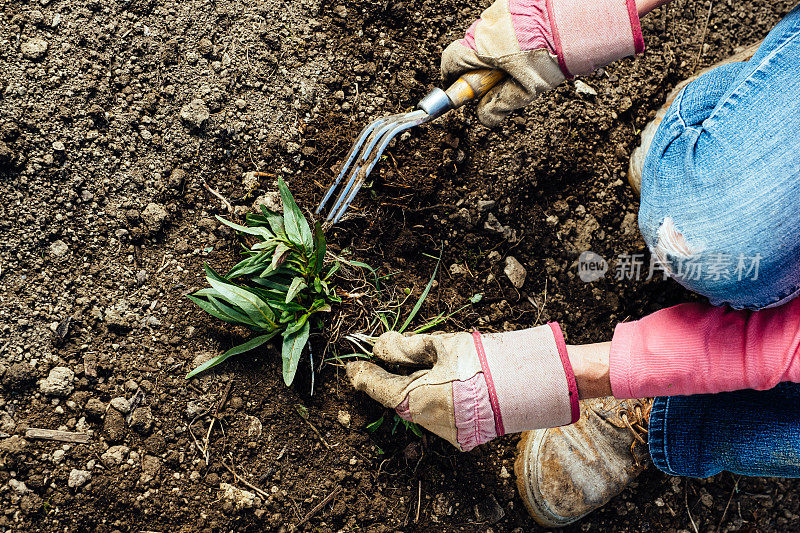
[720, 209]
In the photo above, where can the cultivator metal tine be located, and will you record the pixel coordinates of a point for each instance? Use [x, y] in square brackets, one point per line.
[364, 155]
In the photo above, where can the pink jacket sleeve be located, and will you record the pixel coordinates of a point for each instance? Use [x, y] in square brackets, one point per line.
[699, 349]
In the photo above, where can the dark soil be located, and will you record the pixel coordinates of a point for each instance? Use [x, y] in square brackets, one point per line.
[93, 276]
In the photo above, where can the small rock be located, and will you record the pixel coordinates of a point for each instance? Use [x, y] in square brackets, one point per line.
[155, 216]
[34, 49]
[121, 404]
[13, 445]
[177, 178]
[457, 269]
[115, 455]
[340, 11]
[141, 277]
[486, 205]
[488, 510]
[270, 200]
[193, 409]
[584, 89]
[494, 256]
[240, 104]
[344, 418]
[78, 478]
[492, 224]
[504, 473]
[114, 426]
[254, 428]
[195, 114]
[95, 408]
[205, 46]
[19, 376]
[241, 499]
[58, 456]
[142, 420]
[58, 146]
[515, 272]
[18, 486]
[58, 382]
[59, 249]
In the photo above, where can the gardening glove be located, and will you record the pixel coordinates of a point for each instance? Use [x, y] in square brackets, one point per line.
[539, 43]
[478, 387]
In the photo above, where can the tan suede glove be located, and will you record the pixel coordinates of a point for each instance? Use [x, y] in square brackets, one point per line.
[539, 43]
[478, 387]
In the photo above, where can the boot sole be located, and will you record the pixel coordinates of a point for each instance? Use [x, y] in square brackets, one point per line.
[532, 498]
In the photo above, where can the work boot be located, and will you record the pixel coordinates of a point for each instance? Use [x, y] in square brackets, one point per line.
[640, 153]
[565, 473]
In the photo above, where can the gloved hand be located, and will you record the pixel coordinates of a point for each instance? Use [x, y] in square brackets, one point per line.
[478, 387]
[539, 43]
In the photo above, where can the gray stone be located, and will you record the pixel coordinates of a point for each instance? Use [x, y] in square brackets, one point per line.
[486, 205]
[141, 420]
[115, 455]
[34, 49]
[78, 478]
[344, 418]
[58, 382]
[583, 89]
[121, 404]
[59, 249]
[18, 486]
[515, 272]
[241, 499]
[270, 200]
[154, 217]
[195, 114]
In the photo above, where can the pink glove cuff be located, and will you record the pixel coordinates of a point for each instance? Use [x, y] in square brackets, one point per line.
[531, 23]
[589, 35]
[521, 386]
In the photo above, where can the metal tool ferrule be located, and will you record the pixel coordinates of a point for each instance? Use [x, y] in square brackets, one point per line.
[436, 103]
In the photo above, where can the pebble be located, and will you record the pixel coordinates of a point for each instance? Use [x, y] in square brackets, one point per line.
[241, 499]
[270, 200]
[58, 456]
[34, 49]
[58, 382]
[195, 113]
[154, 217]
[344, 418]
[340, 11]
[59, 249]
[142, 420]
[584, 89]
[486, 205]
[254, 428]
[78, 478]
[19, 376]
[18, 486]
[121, 404]
[58, 146]
[114, 426]
[515, 272]
[115, 455]
[457, 269]
[504, 473]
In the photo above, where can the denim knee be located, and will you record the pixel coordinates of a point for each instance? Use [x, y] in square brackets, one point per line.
[718, 221]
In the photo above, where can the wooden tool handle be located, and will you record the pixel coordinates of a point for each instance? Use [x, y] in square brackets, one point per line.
[473, 85]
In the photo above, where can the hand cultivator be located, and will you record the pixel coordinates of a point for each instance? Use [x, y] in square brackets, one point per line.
[374, 139]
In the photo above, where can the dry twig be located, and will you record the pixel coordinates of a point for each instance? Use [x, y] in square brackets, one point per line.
[317, 507]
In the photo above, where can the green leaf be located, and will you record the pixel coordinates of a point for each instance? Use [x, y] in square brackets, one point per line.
[279, 255]
[255, 308]
[373, 427]
[319, 250]
[236, 350]
[293, 345]
[275, 221]
[259, 232]
[332, 271]
[209, 308]
[296, 326]
[297, 285]
[476, 298]
[296, 225]
[422, 296]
